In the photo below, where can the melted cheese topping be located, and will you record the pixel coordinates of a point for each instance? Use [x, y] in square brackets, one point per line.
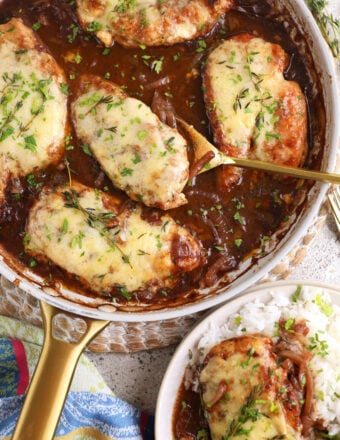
[149, 22]
[141, 155]
[83, 231]
[247, 385]
[32, 109]
[252, 104]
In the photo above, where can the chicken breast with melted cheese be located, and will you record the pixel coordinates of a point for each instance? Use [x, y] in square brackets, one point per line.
[108, 245]
[150, 22]
[141, 155]
[33, 108]
[254, 112]
[245, 392]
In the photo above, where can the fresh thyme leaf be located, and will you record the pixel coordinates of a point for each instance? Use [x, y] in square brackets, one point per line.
[9, 118]
[247, 412]
[101, 222]
[112, 129]
[259, 120]
[141, 252]
[67, 164]
[125, 294]
[72, 201]
[30, 143]
[106, 99]
[328, 24]
[243, 94]
[6, 132]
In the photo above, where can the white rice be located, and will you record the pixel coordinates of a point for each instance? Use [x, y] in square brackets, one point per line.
[323, 321]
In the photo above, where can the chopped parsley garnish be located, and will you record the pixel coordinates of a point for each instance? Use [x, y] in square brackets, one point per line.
[325, 307]
[123, 291]
[289, 324]
[94, 26]
[126, 172]
[36, 26]
[296, 294]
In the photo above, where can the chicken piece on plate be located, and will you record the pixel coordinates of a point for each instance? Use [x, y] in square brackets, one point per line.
[150, 22]
[109, 245]
[33, 108]
[254, 112]
[244, 392]
[140, 154]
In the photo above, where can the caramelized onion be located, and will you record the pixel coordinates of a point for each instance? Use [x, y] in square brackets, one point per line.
[214, 197]
[296, 358]
[306, 419]
[304, 372]
[197, 166]
[158, 83]
[223, 263]
[213, 229]
[220, 392]
[163, 109]
[99, 179]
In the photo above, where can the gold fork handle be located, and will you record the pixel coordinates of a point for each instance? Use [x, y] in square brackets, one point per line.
[334, 200]
[202, 146]
[52, 379]
[283, 169]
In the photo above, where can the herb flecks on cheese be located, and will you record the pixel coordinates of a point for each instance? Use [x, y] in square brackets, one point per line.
[240, 383]
[32, 105]
[107, 245]
[149, 22]
[254, 111]
[142, 156]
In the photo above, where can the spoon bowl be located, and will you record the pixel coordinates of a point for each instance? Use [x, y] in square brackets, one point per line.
[206, 156]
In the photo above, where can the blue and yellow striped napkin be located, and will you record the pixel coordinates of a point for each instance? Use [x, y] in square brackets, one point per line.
[91, 412]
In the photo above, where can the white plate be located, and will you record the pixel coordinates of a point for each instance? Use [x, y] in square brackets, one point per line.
[176, 368]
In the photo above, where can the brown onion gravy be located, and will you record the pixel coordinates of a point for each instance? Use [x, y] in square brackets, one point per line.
[232, 226]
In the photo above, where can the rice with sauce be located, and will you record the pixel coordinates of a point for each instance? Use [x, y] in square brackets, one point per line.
[323, 320]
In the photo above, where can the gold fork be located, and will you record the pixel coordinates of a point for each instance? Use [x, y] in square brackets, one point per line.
[334, 200]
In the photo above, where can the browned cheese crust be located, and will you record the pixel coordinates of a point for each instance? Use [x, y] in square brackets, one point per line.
[254, 112]
[140, 154]
[33, 108]
[109, 244]
[241, 378]
[150, 22]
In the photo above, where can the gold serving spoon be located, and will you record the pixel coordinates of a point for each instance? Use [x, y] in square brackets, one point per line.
[202, 146]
